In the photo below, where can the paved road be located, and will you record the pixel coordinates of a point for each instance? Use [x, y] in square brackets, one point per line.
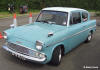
[85, 54]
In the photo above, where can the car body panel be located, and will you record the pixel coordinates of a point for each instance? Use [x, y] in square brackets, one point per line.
[69, 36]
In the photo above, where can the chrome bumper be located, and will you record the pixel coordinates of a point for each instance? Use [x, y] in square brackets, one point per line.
[24, 57]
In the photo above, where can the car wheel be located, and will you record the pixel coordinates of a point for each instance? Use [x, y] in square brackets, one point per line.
[57, 56]
[89, 37]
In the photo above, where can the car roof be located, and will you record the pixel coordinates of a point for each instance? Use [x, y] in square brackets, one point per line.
[63, 9]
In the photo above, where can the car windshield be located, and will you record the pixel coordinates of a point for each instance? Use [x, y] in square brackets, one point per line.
[53, 17]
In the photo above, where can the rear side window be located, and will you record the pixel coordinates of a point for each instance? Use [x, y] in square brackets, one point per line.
[75, 18]
[84, 16]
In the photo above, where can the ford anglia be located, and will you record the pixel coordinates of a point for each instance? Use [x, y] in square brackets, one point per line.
[55, 32]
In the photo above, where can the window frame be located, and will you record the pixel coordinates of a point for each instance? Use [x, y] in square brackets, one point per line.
[72, 17]
[54, 11]
[87, 16]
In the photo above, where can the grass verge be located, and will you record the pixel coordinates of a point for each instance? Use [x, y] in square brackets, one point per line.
[6, 14]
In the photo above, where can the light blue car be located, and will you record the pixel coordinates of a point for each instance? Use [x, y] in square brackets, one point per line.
[56, 31]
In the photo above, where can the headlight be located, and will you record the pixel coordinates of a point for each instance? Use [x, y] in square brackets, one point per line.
[39, 45]
[5, 35]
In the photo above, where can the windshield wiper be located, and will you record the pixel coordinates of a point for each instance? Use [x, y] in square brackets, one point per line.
[42, 21]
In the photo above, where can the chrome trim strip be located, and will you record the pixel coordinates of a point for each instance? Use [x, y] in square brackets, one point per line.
[70, 36]
[68, 19]
[24, 56]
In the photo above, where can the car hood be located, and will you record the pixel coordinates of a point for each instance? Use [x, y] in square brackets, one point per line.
[36, 31]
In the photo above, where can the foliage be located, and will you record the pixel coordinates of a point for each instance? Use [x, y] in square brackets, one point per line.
[38, 4]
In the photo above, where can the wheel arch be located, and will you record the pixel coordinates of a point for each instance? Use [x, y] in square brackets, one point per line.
[53, 50]
[91, 31]
[62, 47]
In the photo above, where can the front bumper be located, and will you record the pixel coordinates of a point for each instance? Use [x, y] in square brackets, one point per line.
[24, 57]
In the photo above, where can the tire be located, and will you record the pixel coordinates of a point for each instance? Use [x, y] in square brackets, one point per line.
[89, 38]
[56, 57]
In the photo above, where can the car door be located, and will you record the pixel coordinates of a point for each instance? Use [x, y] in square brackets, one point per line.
[85, 23]
[75, 29]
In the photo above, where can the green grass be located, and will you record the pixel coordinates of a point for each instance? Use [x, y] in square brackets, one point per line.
[34, 11]
[94, 11]
[91, 10]
[7, 14]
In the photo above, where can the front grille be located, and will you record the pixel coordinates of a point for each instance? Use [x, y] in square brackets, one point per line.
[21, 49]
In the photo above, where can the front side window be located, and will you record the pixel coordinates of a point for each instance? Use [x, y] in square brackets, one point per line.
[75, 18]
[53, 17]
[84, 16]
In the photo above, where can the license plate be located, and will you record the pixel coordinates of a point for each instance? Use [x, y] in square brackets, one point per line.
[21, 57]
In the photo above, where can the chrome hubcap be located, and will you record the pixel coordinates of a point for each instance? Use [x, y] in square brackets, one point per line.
[89, 37]
[60, 55]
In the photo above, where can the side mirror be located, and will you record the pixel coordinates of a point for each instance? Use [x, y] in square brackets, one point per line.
[12, 26]
[50, 34]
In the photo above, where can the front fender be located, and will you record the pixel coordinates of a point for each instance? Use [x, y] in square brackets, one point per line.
[49, 51]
